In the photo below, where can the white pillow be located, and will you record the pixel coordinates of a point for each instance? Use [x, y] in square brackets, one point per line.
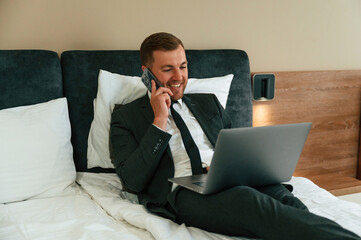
[119, 89]
[219, 86]
[112, 89]
[36, 154]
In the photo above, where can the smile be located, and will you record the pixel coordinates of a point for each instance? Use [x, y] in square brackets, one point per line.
[174, 85]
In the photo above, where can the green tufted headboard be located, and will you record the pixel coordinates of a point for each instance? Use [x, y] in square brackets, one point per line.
[28, 77]
[35, 76]
[80, 75]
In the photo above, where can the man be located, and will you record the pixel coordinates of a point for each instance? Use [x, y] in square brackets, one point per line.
[147, 150]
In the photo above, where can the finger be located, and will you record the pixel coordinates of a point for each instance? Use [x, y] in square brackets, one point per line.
[153, 87]
[166, 90]
[160, 90]
[168, 101]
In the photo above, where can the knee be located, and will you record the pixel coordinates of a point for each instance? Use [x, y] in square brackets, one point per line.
[294, 202]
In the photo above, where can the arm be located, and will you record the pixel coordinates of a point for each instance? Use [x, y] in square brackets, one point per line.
[137, 149]
[135, 159]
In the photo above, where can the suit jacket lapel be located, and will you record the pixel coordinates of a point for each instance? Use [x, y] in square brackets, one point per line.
[203, 117]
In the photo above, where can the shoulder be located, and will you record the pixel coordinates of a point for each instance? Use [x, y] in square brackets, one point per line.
[130, 107]
[206, 100]
[201, 97]
[208, 103]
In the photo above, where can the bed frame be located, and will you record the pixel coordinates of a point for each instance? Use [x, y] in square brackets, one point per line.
[36, 76]
[33, 76]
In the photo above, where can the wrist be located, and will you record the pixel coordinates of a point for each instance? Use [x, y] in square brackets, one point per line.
[160, 123]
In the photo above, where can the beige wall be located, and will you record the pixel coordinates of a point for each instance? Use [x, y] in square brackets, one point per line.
[278, 35]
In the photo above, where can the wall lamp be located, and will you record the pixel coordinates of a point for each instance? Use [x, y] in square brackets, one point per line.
[263, 86]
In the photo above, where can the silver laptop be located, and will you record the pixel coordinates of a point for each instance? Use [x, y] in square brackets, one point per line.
[252, 156]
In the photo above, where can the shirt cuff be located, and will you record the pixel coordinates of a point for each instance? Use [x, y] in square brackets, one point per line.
[158, 127]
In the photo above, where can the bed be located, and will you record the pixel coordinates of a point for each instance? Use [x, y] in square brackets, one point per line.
[56, 181]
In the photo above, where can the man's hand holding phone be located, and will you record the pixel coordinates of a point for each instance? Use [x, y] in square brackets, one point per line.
[160, 99]
[160, 102]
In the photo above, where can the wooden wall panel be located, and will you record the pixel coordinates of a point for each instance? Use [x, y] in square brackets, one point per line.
[331, 100]
[359, 156]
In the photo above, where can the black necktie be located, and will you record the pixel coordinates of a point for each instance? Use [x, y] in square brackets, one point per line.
[188, 142]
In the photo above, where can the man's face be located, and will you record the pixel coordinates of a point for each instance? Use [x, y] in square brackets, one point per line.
[170, 67]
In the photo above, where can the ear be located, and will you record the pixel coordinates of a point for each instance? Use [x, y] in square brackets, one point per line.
[143, 68]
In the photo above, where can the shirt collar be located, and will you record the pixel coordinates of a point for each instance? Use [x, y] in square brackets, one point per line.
[180, 101]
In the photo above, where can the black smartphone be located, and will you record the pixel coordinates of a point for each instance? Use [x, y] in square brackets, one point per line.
[147, 77]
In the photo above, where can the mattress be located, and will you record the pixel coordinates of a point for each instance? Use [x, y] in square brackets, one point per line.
[105, 189]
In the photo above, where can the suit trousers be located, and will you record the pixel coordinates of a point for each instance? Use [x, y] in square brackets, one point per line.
[269, 212]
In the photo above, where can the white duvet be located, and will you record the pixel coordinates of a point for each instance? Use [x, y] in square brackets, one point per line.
[99, 210]
[71, 216]
[105, 189]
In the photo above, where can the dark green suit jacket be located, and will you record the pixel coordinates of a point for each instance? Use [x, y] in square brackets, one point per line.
[140, 151]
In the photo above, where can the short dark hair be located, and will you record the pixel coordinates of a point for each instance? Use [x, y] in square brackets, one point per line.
[157, 41]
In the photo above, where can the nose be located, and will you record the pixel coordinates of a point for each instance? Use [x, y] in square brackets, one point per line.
[177, 74]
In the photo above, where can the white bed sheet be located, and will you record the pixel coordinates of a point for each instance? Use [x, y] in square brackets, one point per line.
[105, 189]
[72, 215]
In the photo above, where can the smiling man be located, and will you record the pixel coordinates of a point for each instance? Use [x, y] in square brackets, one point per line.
[171, 70]
[148, 148]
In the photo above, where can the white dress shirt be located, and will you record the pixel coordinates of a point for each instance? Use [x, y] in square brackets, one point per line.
[182, 164]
